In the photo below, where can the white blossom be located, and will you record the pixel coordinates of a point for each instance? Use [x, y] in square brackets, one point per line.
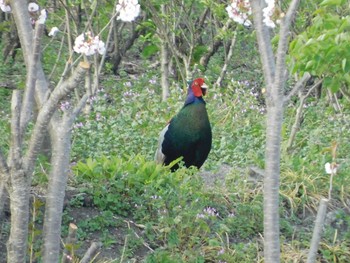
[89, 45]
[268, 12]
[42, 17]
[4, 7]
[127, 10]
[331, 168]
[53, 31]
[239, 10]
[33, 7]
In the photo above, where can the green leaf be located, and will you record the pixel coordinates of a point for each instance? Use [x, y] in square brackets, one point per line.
[332, 83]
[343, 64]
[335, 84]
[309, 64]
[331, 2]
[347, 78]
[198, 52]
[309, 42]
[149, 50]
[327, 82]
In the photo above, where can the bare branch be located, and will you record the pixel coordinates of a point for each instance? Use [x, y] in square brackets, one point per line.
[280, 75]
[318, 229]
[28, 99]
[227, 60]
[298, 86]
[108, 41]
[91, 252]
[25, 33]
[164, 33]
[217, 42]
[72, 116]
[264, 41]
[15, 147]
[298, 116]
[47, 111]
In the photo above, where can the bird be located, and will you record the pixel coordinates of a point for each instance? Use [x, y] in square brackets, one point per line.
[188, 134]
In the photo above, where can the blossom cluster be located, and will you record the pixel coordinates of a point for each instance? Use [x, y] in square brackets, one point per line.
[268, 12]
[208, 212]
[65, 105]
[240, 10]
[4, 7]
[88, 45]
[32, 7]
[128, 10]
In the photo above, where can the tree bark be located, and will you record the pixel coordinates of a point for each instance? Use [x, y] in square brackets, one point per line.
[61, 148]
[18, 190]
[56, 191]
[275, 78]
[20, 168]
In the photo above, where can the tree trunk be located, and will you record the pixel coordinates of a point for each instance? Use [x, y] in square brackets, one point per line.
[18, 190]
[275, 79]
[56, 191]
[271, 182]
[19, 196]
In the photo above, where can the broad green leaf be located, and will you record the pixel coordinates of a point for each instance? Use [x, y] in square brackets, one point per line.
[331, 2]
[149, 51]
[327, 82]
[309, 64]
[347, 78]
[335, 84]
[332, 83]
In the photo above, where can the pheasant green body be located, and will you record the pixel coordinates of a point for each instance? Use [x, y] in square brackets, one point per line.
[188, 134]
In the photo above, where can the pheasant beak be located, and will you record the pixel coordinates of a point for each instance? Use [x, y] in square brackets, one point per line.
[204, 88]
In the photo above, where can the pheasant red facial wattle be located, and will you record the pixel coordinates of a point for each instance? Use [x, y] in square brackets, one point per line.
[188, 134]
[199, 87]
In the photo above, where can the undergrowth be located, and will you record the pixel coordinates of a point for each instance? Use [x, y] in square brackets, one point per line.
[182, 219]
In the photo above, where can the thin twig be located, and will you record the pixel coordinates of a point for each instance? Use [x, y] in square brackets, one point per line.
[110, 33]
[299, 85]
[227, 60]
[299, 114]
